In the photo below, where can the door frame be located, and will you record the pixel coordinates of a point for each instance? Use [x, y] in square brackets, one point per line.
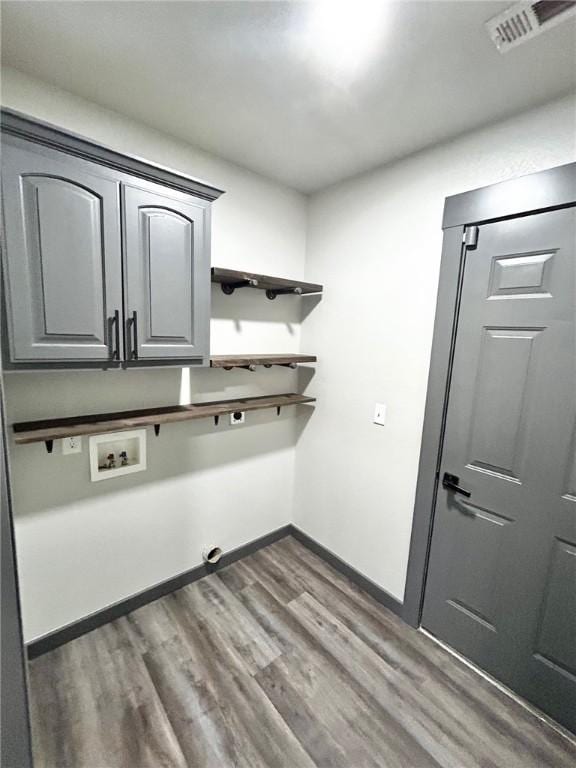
[547, 190]
[16, 741]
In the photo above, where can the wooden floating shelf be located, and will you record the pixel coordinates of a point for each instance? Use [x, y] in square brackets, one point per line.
[230, 279]
[49, 430]
[249, 362]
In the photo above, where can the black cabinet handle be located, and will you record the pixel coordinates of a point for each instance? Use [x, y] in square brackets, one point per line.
[117, 332]
[451, 483]
[134, 324]
[114, 335]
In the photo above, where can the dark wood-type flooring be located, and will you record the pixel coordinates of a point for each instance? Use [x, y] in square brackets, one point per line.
[275, 661]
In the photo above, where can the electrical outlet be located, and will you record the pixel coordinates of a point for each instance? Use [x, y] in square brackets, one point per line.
[72, 444]
[238, 417]
[380, 414]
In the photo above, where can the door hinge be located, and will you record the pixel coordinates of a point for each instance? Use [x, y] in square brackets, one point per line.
[470, 237]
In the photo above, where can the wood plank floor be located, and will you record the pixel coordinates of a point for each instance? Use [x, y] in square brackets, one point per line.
[276, 661]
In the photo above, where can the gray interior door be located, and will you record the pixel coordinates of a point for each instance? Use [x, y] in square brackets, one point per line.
[501, 585]
[167, 274]
[62, 256]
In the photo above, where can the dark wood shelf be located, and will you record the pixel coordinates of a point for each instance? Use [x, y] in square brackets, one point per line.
[48, 430]
[230, 279]
[250, 362]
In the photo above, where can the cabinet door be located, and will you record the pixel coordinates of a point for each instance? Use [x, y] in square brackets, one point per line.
[167, 275]
[62, 259]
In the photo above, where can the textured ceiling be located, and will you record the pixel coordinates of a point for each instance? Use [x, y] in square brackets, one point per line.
[244, 80]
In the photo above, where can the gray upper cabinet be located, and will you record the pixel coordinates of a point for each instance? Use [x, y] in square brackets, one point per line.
[62, 260]
[102, 265]
[167, 274]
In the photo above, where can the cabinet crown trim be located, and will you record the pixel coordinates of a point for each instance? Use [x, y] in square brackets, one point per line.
[16, 124]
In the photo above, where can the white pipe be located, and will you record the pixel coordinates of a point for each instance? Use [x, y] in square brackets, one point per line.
[211, 555]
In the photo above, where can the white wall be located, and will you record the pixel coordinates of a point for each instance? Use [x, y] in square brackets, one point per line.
[375, 243]
[82, 546]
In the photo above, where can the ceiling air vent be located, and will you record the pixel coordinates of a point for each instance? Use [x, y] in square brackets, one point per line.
[524, 21]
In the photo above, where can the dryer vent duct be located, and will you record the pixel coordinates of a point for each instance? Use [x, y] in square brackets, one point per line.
[211, 555]
[523, 21]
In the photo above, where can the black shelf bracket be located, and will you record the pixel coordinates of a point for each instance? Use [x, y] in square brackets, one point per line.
[156, 429]
[278, 409]
[229, 288]
[271, 293]
[49, 430]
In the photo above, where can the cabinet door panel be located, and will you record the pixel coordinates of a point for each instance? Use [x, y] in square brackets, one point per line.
[62, 257]
[167, 275]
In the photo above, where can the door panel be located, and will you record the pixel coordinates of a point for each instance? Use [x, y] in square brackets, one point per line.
[556, 639]
[62, 257]
[501, 584]
[570, 488]
[64, 218]
[170, 240]
[498, 426]
[520, 276]
[482, 535]
[168, 274]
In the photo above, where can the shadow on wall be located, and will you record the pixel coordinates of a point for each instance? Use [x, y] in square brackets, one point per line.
[308, 303]
[42, 481]
[183, 448]
[305, 374]
[251, 305]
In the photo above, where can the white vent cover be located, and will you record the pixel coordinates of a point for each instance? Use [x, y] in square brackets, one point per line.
[524, 21]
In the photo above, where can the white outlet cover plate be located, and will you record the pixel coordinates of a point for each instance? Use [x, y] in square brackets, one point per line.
[380, 414]
[72, 444]
[241, 420]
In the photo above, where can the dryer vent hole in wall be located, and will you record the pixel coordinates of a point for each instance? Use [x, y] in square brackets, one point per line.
[211, 555]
